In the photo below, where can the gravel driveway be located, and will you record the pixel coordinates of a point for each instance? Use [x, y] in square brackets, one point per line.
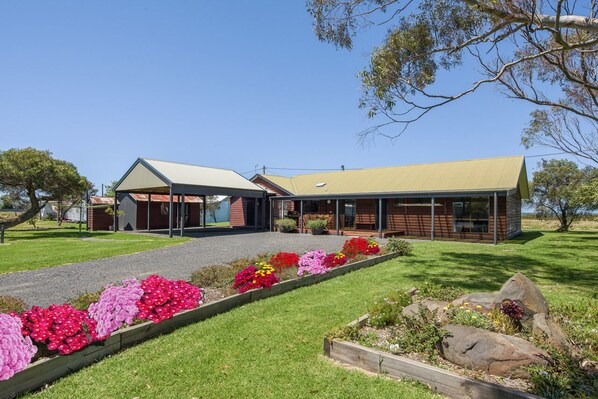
[57, 284]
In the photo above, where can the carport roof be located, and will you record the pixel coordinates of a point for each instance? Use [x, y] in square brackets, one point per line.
[159, 177]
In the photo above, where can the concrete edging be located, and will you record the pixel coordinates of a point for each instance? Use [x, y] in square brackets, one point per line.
[45, 371]
[442, 381]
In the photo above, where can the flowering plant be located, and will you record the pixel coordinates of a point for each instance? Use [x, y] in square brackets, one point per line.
[312, 263]
[16, 350]
[335, 259]
[373, 247]
[355, 246]
[283, 260]
[162, 298]
[260, 275]
[117, 306]
[512, 309]
[62, 328]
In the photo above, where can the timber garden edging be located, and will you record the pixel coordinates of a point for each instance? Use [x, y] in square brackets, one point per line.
[442, 381]
[47, 370]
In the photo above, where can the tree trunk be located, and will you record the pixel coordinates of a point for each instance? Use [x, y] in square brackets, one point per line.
[25, 216]
[563, 219]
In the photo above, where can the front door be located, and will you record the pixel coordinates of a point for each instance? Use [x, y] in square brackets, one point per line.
[250, 212]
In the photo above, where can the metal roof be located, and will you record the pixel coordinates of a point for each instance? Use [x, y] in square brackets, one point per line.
[473, 176]
[99, 200]
[159, 177]
[165, 198]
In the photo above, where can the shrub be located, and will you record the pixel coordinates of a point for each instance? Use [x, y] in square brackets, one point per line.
[283, 260]
[439, 292]
[316, 224]
[164, 298]
[116, 306]
[387, 311]
[335, 259]
[82, 301]
[312, 263]
[11, 304]
[260, 275]
[62, 328]
[418, 335]
[502, 323]
[216, 276]
[16, 350]
[288, 273]
[285, 224]
[396, 245]
[240, 264]
[471, 318]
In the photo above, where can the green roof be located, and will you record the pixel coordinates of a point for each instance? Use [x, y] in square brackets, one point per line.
[479, 175]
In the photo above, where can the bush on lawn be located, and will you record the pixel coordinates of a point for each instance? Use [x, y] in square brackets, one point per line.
[396, 245]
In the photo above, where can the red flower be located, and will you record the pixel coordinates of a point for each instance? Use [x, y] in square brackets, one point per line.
[335, 259]
[163, 298]
[62, 328]
[255, 277]
[283, 260]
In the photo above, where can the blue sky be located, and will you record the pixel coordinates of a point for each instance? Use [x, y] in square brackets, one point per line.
[225, 84]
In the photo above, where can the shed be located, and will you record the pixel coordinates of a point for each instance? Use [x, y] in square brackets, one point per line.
[151, 177]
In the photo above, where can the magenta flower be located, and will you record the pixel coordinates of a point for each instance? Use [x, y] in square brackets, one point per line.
[312, 263]
[16, 350]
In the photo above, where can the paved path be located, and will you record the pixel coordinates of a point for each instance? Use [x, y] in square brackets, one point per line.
[57, 284]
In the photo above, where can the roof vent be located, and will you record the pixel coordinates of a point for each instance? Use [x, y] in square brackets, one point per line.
[320, 184]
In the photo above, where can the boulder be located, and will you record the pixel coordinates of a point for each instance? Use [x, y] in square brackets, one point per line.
[544, 326]
[523, 291]
[430, 306]
[484, 299]
[494, 353]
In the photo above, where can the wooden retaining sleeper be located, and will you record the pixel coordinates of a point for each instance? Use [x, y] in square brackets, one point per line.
[48, 370]
[442, 381]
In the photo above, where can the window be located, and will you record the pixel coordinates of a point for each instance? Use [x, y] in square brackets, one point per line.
[311, 206]
[471, 215]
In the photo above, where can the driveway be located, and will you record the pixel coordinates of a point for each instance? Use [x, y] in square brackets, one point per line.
[57, 284]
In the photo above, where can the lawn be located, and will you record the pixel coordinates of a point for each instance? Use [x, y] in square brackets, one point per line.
[273, 348]
[26, 248]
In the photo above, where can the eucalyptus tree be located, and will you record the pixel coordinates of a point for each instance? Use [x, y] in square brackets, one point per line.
[543, 52]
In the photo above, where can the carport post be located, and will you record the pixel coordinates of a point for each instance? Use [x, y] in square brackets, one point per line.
[263, 212]
[379, 217]
[170, 214]
[270, 222]
[301, 216]
[337, 219]
[149, 206]
[182, 215]
[204, 210]
[115, 214]
[495, 227]
[433, 217]
[255, 210]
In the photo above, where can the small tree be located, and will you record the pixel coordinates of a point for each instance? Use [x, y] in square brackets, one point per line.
[33, 177]
[562, 189]
[110, 189]
[212, 206]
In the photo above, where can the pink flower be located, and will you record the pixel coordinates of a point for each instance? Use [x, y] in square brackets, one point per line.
[312, 263]
[16, 351]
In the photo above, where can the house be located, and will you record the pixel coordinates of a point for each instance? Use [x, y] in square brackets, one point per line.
[97, 218]
[74, 214]
[475, 199]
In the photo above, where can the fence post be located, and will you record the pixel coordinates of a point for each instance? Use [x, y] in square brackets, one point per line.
[2, 233]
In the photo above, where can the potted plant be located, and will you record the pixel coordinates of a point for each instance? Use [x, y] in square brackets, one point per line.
[316, 226]
[286, 225]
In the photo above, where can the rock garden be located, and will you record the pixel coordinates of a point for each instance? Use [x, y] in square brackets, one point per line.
[510, 337]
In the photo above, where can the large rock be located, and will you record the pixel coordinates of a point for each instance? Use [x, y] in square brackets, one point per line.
[430, 307]
[484, 299]
[550, 330]
[523, 291]
[497, 354]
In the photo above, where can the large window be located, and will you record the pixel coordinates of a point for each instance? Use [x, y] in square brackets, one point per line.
[471, 215]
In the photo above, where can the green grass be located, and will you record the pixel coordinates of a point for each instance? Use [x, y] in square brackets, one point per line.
[219, 224]
[273, 348]
[26, 248]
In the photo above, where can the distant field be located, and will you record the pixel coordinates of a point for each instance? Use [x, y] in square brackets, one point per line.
[584, 224]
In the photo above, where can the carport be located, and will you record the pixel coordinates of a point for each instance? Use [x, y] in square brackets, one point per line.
[150, 176]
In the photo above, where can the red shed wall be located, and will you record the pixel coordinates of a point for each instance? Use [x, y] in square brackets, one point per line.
[98, 219]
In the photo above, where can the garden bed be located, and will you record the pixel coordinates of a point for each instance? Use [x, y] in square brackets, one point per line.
[47, 370]
[440, 380]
